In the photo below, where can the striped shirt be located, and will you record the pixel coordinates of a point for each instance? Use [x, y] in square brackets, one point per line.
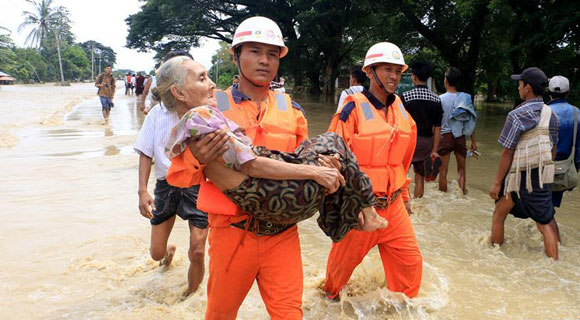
[523, 118]
[153, 137]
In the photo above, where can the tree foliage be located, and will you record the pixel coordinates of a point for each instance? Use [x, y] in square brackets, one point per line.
[486, 39]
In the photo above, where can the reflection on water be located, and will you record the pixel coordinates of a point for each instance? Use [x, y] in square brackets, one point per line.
[75, 246]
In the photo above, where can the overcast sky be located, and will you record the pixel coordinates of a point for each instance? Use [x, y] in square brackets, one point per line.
[102, 21]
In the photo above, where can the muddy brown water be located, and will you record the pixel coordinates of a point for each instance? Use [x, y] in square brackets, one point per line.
[74, 245]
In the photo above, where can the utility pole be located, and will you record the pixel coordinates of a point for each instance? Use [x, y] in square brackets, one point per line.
[92, 62]
[217, 69]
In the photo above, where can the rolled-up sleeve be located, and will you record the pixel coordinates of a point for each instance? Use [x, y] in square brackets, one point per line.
[512, 130]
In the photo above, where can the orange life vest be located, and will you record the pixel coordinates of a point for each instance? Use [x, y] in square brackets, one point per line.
[380, 146]
[272, 126]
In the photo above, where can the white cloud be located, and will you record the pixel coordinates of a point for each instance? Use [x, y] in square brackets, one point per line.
[102, 21]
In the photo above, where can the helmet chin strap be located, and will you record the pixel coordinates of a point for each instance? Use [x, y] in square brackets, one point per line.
[237, 53]
[390, 96]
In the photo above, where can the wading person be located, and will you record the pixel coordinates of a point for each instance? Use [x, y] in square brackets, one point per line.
[106, 84]
[382, 135]
[356, 84]
[270, 120]
[568, 149]
[425, 108]
[169, 200]
[529, 138]
[458, 121]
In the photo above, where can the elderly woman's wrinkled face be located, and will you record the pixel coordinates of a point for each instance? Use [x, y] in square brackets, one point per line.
[198, 87]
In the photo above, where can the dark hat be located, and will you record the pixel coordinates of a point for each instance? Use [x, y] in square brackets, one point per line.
[533, 76]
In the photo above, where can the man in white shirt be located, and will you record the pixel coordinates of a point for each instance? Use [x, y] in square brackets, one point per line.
[169, 200]
[357, 80]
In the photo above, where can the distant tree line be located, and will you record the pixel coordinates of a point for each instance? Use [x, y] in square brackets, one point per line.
[53, 54]
[486, 39]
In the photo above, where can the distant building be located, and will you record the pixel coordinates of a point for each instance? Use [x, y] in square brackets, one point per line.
[6, 78]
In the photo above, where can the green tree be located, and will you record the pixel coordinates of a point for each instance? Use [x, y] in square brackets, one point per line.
[45, 19]
[223, 67]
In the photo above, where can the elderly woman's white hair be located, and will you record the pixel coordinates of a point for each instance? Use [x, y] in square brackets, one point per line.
[171, 73]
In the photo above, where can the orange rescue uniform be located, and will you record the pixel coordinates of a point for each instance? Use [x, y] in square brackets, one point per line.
[238, 257]
[383, 143]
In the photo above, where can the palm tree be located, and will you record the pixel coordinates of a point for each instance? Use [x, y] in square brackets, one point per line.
[45, 19]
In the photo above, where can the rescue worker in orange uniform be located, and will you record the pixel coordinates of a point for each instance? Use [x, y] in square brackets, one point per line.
[241, 249]
[383, 136]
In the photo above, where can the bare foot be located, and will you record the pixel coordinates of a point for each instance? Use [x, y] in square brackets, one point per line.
[166, 261]
[369, 220]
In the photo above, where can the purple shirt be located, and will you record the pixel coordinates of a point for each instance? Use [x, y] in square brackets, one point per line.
[524, 117]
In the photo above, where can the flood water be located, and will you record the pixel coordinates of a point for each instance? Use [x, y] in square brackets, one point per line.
[74, 245]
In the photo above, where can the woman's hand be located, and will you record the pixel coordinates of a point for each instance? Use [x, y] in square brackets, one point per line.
[329, 178]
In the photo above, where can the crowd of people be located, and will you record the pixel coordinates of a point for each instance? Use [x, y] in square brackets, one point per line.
[223, 158]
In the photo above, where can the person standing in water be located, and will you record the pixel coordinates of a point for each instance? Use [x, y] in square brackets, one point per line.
[382, 135]
[526, 169]
[106, 84]
[169, 200]
[271, 120]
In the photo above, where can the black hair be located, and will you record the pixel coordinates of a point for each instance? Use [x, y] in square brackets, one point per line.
[108, 65]
[536, 89]
[357, 73]
[453, 75]
[422, 70]
[177, 53]
[558, 95]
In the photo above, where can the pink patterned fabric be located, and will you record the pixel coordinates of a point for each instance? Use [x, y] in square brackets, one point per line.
[200, 121]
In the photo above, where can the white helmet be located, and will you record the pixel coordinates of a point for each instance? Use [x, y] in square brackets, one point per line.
[259, 29]
[384, 52]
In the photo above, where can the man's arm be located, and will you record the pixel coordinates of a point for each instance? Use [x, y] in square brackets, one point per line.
[436, 139]
[505, 161]
[145, 201]
[262, 167]
[473, 143]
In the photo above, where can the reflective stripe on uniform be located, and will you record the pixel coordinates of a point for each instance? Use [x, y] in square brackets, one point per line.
[222, 101]
[366, 108]
[281, 102]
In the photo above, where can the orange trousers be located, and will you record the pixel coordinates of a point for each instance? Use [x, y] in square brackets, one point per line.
[273, 261]
[398, 248]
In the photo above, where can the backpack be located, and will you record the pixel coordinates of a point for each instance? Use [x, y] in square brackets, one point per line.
[100, 80]
[565, 174]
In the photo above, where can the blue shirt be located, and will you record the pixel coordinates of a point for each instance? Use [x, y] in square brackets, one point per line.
[565, 113]
[447, 103]
[524, 117]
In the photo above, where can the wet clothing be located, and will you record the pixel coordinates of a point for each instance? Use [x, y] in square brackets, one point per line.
[425, 108]
[398, 247]
[153, 137]
[170, 200]
[400, 254]
[106, 103]
[536, 205]
[448, 144]
[108, 86]
[422, 152]
[233, 251]
[274, 262]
